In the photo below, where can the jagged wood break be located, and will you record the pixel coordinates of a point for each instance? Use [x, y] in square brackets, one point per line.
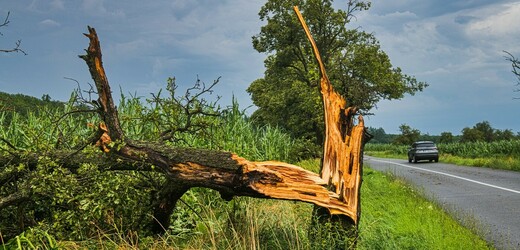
[342, 152]
[232, 175]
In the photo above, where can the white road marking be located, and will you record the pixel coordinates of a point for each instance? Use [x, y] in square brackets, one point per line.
[450, 175]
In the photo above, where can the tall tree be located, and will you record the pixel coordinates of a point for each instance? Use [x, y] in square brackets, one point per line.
[361, 72]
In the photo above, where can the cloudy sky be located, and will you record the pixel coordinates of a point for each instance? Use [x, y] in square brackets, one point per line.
[455, 46]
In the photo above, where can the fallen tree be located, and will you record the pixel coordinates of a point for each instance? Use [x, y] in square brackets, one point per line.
[336, 191]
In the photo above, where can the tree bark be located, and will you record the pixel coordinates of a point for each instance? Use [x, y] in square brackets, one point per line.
[342, 159]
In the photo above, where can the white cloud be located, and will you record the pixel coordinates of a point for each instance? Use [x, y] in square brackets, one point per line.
[49, 23]
[503, 21]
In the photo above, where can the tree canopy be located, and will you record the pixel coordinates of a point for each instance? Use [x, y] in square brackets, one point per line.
[357, 66]
[408, 135]
[483, 131]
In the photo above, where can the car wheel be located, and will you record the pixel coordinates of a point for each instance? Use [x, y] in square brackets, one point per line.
[409, 159]
[414, 159]
[436, 159]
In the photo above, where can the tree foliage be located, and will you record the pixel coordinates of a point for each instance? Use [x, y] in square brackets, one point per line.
[446, 137]
[408, 135]
[483, 131]
[287, 94]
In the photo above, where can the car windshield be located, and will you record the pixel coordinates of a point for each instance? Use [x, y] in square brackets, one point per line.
[426, 145]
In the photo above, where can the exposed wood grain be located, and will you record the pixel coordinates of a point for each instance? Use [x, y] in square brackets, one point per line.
[342, 152]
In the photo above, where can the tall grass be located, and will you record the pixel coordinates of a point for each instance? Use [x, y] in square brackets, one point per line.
[396, 216]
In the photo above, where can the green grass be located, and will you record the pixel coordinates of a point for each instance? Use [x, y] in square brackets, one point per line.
[395, 216]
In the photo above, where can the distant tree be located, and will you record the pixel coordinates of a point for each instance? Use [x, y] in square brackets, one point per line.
[46, 98]
[379, 135]
[504, 135]
[17, 44]
[408, 135]
[487, 131]
[446, 137]
[471, 135]
[515, 64]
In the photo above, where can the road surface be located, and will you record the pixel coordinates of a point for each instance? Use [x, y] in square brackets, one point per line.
[487, 199]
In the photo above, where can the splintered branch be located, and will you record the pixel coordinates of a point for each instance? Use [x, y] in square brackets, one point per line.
[342, 156]
[108, 109]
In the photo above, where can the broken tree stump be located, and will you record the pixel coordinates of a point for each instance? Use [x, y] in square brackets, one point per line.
[342, 159]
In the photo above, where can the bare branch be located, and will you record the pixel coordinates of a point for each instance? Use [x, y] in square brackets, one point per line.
[17, 44]
[13, 199]
[515, 64]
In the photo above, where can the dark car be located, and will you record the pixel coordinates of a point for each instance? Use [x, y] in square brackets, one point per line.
[423, 150]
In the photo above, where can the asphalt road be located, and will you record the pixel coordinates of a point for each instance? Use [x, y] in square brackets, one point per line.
[482, 198]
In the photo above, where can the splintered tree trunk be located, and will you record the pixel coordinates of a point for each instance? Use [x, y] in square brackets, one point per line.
[342, 153]
[230, 174]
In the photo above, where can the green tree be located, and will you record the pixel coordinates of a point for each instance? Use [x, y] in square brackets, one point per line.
[446, 137]
[379, 135]
[287, 94]
[487, 131]
[504, 135]
[471, 135]
[408, 135]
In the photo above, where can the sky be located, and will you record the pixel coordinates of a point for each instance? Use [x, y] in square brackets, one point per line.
[455, 46]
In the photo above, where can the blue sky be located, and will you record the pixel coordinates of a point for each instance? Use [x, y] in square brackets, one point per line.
[455, 46]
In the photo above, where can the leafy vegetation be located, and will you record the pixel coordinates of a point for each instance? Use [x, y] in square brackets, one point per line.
[287, 96]
[92, 208]
[75, 204]
[23, 104]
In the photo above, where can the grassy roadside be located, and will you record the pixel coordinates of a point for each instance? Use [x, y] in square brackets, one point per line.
[394, 216]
